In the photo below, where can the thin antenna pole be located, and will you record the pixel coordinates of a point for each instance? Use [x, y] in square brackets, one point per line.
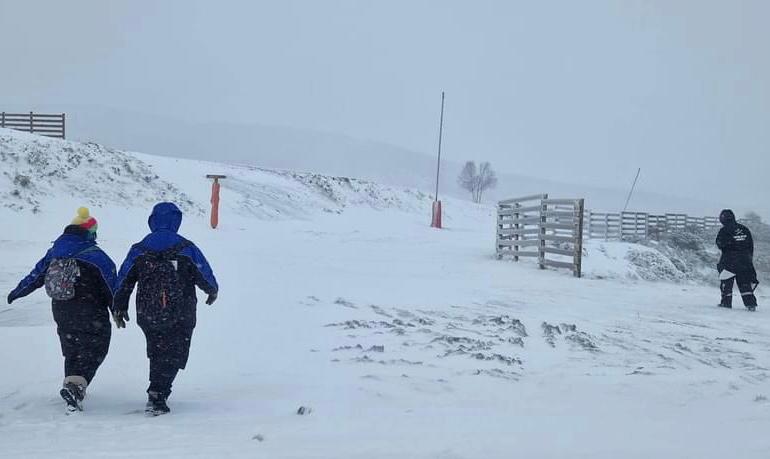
[628, 199]
[440, 135]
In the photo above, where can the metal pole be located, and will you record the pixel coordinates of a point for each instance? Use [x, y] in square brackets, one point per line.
[440, 135]
[628, 199]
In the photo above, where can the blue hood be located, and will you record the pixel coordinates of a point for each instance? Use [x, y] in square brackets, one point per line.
[165, 220]
[165, 216]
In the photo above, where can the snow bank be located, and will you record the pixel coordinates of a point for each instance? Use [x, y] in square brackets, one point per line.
[651, 261]
[38, 172]
[35, 170]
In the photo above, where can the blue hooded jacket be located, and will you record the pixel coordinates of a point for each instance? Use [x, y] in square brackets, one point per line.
[81, 247]
[164, 222]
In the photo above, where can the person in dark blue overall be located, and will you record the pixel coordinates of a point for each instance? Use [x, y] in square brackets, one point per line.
[86, 284]
[167, 268]
[736, 265]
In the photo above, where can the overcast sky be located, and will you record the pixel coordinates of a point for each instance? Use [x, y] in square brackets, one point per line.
[581, 91]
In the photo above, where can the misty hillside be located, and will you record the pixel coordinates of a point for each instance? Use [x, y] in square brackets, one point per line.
[339, 155]
[38, 173]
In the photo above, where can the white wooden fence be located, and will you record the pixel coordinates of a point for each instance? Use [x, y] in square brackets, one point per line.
[641, 225]
[550, 230]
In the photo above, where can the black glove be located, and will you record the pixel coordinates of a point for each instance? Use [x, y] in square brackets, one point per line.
[120, 318]
[13, 296]
[211, 299]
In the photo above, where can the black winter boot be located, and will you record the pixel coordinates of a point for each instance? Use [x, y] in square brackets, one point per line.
[156, 404]
[73, 392]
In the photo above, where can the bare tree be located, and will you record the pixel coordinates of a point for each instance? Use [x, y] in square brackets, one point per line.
[487, 179]
[467, 177]
[477, 180]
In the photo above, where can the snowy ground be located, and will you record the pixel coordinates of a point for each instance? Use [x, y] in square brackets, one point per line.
[404, 341]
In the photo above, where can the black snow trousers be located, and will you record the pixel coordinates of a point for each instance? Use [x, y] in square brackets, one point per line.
[162, 377]
[168, 351]
[84, 333]
[744, 286]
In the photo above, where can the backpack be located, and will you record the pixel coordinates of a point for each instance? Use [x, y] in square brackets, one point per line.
[160, 298]
[60, 279]
[61, 276]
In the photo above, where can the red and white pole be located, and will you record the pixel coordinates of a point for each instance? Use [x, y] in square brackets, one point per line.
[436, 219]
[215, 199]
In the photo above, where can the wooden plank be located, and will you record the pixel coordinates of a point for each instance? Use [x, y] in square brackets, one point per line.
[35, 127]
[524, 198]
[564, 226]
[518, 243]
[552, 238]
[522, 209]
[512, 220]
[559, 213]
[559, 201]
[26, 124]
[558, 251]
[26, 115]
[518, 253]
[602, 227]
[517, 231]
[559, 264]
[512, 210]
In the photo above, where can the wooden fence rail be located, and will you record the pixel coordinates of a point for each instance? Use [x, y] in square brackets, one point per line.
[641, 225]
[50, 125]
[538, 227]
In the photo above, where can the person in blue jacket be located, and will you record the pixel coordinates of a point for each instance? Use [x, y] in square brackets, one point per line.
[167, 268]
[80, 279]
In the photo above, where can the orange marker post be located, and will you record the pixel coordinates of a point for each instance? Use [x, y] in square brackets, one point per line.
[215, 198]
[436, 219]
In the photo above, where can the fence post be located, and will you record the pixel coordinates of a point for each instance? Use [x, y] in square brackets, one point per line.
[606, 227]
[2, 120]
[588, 223]
[63, 117]
[497, 234]
[31, 129]
[516, 235]
[541, 233]
[578, 260]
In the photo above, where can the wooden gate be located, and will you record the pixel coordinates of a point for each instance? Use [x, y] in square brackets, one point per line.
[550, 230]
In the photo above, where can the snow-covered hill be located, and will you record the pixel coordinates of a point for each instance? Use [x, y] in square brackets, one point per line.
[326, 153]
[404, 341]
[37, 173]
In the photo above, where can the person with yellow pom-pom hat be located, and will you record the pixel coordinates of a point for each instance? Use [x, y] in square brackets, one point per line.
[80, 279]
[84, 220]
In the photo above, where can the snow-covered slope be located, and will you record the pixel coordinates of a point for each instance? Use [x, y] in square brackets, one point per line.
[335, 154]
[403, 340]
[36, 172]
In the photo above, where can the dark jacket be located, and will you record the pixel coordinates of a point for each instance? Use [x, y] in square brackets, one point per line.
[88, 310]
[737, 246]
[193, 269]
